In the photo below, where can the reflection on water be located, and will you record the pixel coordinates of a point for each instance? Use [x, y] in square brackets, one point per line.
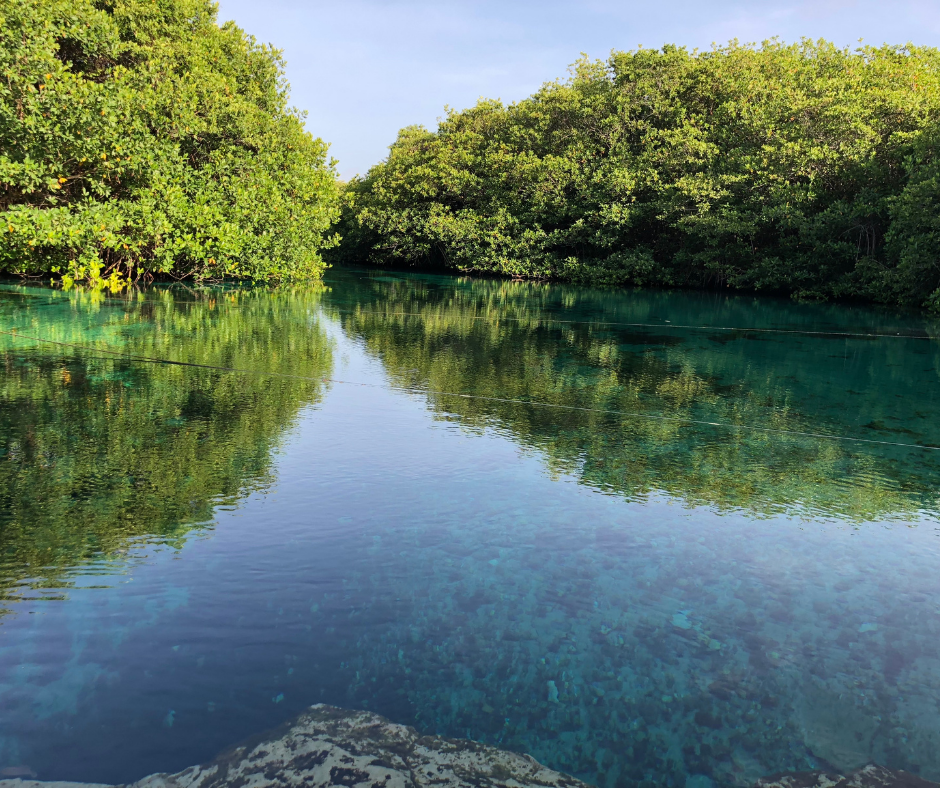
[624, 548]
[727, 418]
[100, 449]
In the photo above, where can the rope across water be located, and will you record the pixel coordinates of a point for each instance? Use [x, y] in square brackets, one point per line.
[431, 392]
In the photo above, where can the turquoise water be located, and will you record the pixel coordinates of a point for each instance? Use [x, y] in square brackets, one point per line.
[647, 537]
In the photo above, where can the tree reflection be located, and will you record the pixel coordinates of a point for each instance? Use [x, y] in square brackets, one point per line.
[724, 418]
[101, 451]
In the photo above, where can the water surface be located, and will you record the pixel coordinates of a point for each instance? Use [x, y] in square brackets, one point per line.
[647, 537]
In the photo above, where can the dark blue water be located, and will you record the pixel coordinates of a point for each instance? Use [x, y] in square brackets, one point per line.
[622, 531]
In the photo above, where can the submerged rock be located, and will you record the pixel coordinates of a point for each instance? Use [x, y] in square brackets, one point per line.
[552, 692]
[326, 746]
[870, 776]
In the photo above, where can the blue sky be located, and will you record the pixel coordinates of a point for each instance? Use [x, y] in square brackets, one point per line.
[364, 68]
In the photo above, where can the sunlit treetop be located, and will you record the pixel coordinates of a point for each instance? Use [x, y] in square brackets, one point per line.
[141, 137]
[804, 169]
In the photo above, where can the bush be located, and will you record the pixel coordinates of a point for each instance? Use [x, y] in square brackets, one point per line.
[801, 169]
[140, 138]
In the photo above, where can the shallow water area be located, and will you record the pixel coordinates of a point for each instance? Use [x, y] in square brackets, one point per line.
[646, 537]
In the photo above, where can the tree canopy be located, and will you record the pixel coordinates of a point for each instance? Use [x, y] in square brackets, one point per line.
[803, 169]
[140, 137]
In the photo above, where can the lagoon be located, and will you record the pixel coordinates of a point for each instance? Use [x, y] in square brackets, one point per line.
[647, 537]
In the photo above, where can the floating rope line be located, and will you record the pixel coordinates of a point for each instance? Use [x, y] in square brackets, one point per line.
[508, 400]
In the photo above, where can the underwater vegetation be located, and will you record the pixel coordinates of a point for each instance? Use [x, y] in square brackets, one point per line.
[642, 648]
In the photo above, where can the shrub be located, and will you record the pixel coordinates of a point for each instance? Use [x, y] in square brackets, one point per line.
[140, 138]
[801, 169]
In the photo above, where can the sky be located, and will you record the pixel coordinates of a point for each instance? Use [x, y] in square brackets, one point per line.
[362, 69]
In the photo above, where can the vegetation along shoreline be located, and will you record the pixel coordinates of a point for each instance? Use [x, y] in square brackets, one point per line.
[145, 140]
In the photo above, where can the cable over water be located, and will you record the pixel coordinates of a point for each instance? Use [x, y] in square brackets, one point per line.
[431, 392]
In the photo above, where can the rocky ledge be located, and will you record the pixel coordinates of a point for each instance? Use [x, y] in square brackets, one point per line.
[326, 746]
[870, 776]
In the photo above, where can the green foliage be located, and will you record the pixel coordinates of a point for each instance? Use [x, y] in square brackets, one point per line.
[100, 451]
[139, 137]
[800, 169]
[914, 236]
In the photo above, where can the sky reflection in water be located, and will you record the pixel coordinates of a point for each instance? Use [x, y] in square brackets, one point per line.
[192, 555]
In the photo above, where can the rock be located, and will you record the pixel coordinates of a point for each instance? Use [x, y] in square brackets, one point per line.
[326, 746]
[834, 730]
[681, 620]
[870, 776]
[552, 692]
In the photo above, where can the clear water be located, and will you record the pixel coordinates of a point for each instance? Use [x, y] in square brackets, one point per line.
[646, 537]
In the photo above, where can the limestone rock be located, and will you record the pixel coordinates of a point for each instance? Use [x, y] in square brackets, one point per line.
[326, 746]
[834, 730]
[870, 776]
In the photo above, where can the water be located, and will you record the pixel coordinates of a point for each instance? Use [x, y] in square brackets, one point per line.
[612, 529]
